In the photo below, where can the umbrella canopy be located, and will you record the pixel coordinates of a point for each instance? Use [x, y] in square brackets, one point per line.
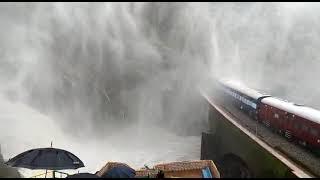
[83, 175]
[46, 158]
[120, 172]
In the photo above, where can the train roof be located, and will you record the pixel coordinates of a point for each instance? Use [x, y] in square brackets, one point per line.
[298, 110]
[242, 89]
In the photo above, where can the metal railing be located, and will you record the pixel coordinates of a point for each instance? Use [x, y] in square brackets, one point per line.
[54, 174]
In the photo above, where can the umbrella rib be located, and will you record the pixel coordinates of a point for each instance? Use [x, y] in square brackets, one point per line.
[38, 154]
[69, 157]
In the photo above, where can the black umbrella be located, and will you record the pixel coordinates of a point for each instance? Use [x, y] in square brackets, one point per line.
[46, 158]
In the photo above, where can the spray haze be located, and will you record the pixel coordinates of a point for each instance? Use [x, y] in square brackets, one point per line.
[79, 74]
[91, 75]
[270, 47]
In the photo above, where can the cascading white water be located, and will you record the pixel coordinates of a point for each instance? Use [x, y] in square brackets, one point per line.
[92, 77]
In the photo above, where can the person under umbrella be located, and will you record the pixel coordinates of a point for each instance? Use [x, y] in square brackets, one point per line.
[47, 159]
[120, 171]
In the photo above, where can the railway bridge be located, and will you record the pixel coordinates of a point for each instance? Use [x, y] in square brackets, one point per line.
[240, 152]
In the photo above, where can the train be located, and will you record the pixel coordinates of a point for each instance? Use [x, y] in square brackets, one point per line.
[295, 122]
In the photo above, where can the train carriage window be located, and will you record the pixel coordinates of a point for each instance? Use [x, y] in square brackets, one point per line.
[314, 132]
[290, 116]
[305, 128]
[276, 116]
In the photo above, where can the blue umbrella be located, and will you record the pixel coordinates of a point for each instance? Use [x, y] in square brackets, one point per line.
[120, 171]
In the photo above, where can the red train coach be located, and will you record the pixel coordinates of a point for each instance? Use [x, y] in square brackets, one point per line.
[294, 121]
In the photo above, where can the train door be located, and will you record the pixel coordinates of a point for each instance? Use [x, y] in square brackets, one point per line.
[277, 121]
[285, 122]
[262, 109]
[292, 119]
[269, 113]
[315, 136]
[289, 124]
[282, 120]
[238, 101]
